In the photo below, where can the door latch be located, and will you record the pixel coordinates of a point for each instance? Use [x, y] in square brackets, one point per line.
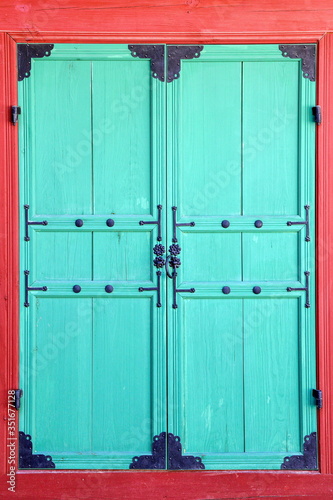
[17, 398]
[15, 111]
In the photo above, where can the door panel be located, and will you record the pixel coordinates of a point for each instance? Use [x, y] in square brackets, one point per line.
[239, 385]
[271, 103]
[99, 159]
[221, 357]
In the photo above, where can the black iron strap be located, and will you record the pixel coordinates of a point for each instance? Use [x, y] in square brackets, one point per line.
[176, 224]
[31, 223]
[153, 289]
[305, 222]
[158, 222]
[30, 288]
[306, 289]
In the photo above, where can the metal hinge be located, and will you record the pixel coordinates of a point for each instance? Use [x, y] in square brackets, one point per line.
[318, 395]
[17, 396]
[16, 110]
[316, 111]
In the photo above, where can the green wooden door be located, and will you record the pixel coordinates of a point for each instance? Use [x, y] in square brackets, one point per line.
[220, 356]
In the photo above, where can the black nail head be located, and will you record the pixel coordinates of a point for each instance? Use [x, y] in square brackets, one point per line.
[256, 289]
[225, 223]
[110, 222]
[76, 289]
[258, 223]
[109, 288]
[226, 290]
[79, 222]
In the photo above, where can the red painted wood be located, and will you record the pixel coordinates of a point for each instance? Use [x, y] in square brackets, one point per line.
[182, 21]
[8, 237]
[184, 16]
[193, 485]
[325, 252]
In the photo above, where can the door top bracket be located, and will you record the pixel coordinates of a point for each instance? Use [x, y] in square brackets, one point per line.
[25, 52]
[308, 55]
[156, 54]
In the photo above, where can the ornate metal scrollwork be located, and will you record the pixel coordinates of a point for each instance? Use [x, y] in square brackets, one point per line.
[307, 461]
[308, 55]
[29, 461]
[25, 52]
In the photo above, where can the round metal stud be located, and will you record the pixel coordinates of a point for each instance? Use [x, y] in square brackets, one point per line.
[109, 288]
[79, 222]
[226, 290]
[256, 290]
[258, 223]
[76, 289]
[225, 223]
[110, 222]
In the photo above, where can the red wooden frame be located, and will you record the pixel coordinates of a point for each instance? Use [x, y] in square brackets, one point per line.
[190, 21]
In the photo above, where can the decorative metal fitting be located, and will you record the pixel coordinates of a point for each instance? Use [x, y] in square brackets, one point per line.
[308, 55]
[159, 262]
[110, 222]
[258, 223]
[167, 453]
[25, 52]
[156, 55]
[177, 224]
[305, 222]
[178, 52]
[76, 289]
[109, 288]
[79, 222]
[175, 262]
[30, 288]
[306, 289]
[225, 223]
[155, 288]
[29, 461]
[226, 290]
[307, 461]
[31, 223]
[158, 222]
[174, 249]
[159, 249]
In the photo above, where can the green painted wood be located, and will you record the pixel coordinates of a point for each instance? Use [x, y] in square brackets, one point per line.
[231, 139]
[262, 369]
[93, 363]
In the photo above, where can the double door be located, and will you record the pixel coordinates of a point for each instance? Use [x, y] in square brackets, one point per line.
[167, 257]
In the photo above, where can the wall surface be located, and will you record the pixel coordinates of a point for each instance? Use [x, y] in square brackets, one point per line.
[179, 21]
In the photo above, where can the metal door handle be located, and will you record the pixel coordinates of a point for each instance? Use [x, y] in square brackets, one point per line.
[167, 268]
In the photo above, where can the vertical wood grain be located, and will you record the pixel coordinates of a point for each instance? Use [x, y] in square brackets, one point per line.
[325, 252]
[8, 233]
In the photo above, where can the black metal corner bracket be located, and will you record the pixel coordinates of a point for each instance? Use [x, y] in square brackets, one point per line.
[173, 450]
[177, 461]
[154, 461]
[29, 461]
[156, 55]
[25, 52]
[307, 461]
[178, 52]
[308, 55]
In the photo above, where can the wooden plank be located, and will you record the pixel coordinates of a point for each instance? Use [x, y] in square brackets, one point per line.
[161, 16]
